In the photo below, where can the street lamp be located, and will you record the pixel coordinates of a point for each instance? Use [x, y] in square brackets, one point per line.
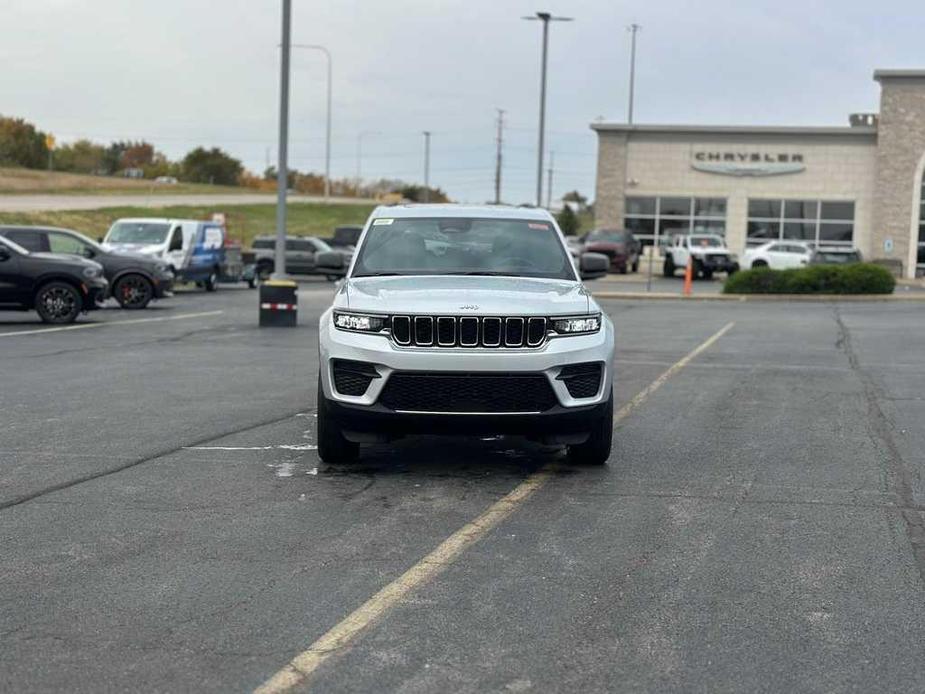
[545, 18]
[360, 137]
[282, 182]
[633, 29]
[427, 135]
[327, 146]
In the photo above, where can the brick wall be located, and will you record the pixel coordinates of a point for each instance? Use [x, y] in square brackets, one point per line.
[900, 151]
[611, 179]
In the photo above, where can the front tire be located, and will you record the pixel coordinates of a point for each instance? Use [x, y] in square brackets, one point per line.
[58, 303]
[133, 292]
[596, 450]
[333, 448]
[211, 282]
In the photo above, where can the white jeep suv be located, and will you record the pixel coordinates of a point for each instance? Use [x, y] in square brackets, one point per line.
[465, 320]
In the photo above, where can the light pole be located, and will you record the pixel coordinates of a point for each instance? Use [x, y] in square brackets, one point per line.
[282, 172]
[427, 166]
[327, 145]
[633, 29]
[545, 18]
[360, 137]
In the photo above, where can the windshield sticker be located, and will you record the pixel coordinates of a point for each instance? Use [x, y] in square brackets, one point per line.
[380, 222]
[535, 225]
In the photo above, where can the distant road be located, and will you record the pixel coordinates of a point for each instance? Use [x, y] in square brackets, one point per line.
[44, 203]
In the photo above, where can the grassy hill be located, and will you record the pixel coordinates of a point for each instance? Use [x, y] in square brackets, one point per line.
[24, 181]
[243, 221]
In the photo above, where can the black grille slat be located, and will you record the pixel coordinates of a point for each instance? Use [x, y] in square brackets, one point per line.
[513, 332]
[491, 332]
[401, 329]
[471, 392]
[469, 331]
[536, 331]
[446, 331]
[423, 330]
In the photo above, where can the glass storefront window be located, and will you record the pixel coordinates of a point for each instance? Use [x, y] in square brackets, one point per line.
[645, 206]
[671, 215]
[801, 209]
[815, 221]
[769, 209]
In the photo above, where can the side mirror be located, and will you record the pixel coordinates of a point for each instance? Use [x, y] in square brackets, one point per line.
[591, 266]
[4, 254]
[330, 259]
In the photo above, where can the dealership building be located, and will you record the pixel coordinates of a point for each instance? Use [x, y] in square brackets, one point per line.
[861, 184]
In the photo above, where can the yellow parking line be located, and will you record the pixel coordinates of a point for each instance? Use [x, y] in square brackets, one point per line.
[305, 663]
[84, 326]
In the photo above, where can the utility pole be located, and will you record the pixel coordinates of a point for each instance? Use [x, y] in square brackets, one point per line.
[500, 142]
[552, 164]
[282, 170]
[633, 29]
[427, 166]
[545, 18]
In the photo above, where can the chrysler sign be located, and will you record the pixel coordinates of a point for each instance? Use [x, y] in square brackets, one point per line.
[747, 163]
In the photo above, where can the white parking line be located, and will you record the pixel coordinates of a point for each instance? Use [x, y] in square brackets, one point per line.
[84, 326]
[303, 665]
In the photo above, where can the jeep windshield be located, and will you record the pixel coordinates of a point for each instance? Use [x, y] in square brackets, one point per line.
[142, 233]
[463, 246]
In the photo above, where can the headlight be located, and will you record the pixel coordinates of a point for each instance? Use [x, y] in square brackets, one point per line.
[359, 322]
[577, 326]
[91, 272]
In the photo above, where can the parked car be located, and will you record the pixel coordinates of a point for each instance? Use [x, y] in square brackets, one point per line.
[835, 255]
[301, 256]
[777, 255]
[458, 319]
[619, 245]
[193, 250]
[58, 287]
[134, 279]
[708, 251]
[345, 236]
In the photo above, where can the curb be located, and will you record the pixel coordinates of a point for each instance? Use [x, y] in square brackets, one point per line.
[662, 296]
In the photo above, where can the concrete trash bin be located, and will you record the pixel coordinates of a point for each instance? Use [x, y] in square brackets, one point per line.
[278, 304]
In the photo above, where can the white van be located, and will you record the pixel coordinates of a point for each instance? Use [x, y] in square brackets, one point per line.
[194, 250]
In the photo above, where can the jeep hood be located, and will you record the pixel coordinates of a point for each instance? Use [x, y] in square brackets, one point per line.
[138, 249]
[454, 295]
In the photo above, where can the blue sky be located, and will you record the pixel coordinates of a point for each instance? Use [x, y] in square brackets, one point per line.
[180, 73]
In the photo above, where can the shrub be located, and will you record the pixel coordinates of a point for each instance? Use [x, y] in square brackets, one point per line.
[857, 278]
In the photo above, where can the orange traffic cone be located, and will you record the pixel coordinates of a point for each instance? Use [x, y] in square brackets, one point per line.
[689, 277]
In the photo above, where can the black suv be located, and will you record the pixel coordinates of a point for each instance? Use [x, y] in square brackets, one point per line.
[135, 279]
[59, 287]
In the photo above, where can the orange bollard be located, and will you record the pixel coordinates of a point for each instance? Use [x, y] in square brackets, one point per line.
[689, 276]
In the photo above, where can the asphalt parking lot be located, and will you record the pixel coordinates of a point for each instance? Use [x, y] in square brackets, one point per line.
[165, 524]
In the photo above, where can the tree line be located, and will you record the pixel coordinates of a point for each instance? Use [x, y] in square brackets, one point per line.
[22, 144]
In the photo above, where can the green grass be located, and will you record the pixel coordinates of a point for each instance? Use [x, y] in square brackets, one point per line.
[244, 221]
[18, 181]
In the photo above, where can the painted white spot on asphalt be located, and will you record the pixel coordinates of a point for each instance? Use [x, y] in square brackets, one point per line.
[284, 446]
[313, 471]
[283, 469]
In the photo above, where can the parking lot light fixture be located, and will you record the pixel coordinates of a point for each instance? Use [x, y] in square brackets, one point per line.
[545, 18]
[282, 169]
[327, 138]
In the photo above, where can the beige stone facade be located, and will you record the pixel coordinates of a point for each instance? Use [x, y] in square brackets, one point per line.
[876, 166]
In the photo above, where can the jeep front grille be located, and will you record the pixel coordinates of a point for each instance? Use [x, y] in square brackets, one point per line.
[469, 331]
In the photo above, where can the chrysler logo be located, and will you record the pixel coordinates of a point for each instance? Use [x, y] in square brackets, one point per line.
[468, 307]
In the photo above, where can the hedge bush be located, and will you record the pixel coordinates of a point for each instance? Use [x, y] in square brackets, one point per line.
[857, 278]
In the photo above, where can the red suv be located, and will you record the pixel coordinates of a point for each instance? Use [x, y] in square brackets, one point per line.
[617, 244]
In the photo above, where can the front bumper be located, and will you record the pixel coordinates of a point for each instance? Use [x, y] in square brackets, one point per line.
[717, 264]
[388, 358]
[95, 292]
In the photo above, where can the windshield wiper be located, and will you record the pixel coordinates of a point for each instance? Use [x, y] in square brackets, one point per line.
[484, 273]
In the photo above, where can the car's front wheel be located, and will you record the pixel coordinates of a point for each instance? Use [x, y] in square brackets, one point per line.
[211, 282]
[332, 446]
[58, 302]
[596, 450]
[133, 292]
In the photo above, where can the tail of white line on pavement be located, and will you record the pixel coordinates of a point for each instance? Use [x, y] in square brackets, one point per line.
[303, 665]
[131, 321]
